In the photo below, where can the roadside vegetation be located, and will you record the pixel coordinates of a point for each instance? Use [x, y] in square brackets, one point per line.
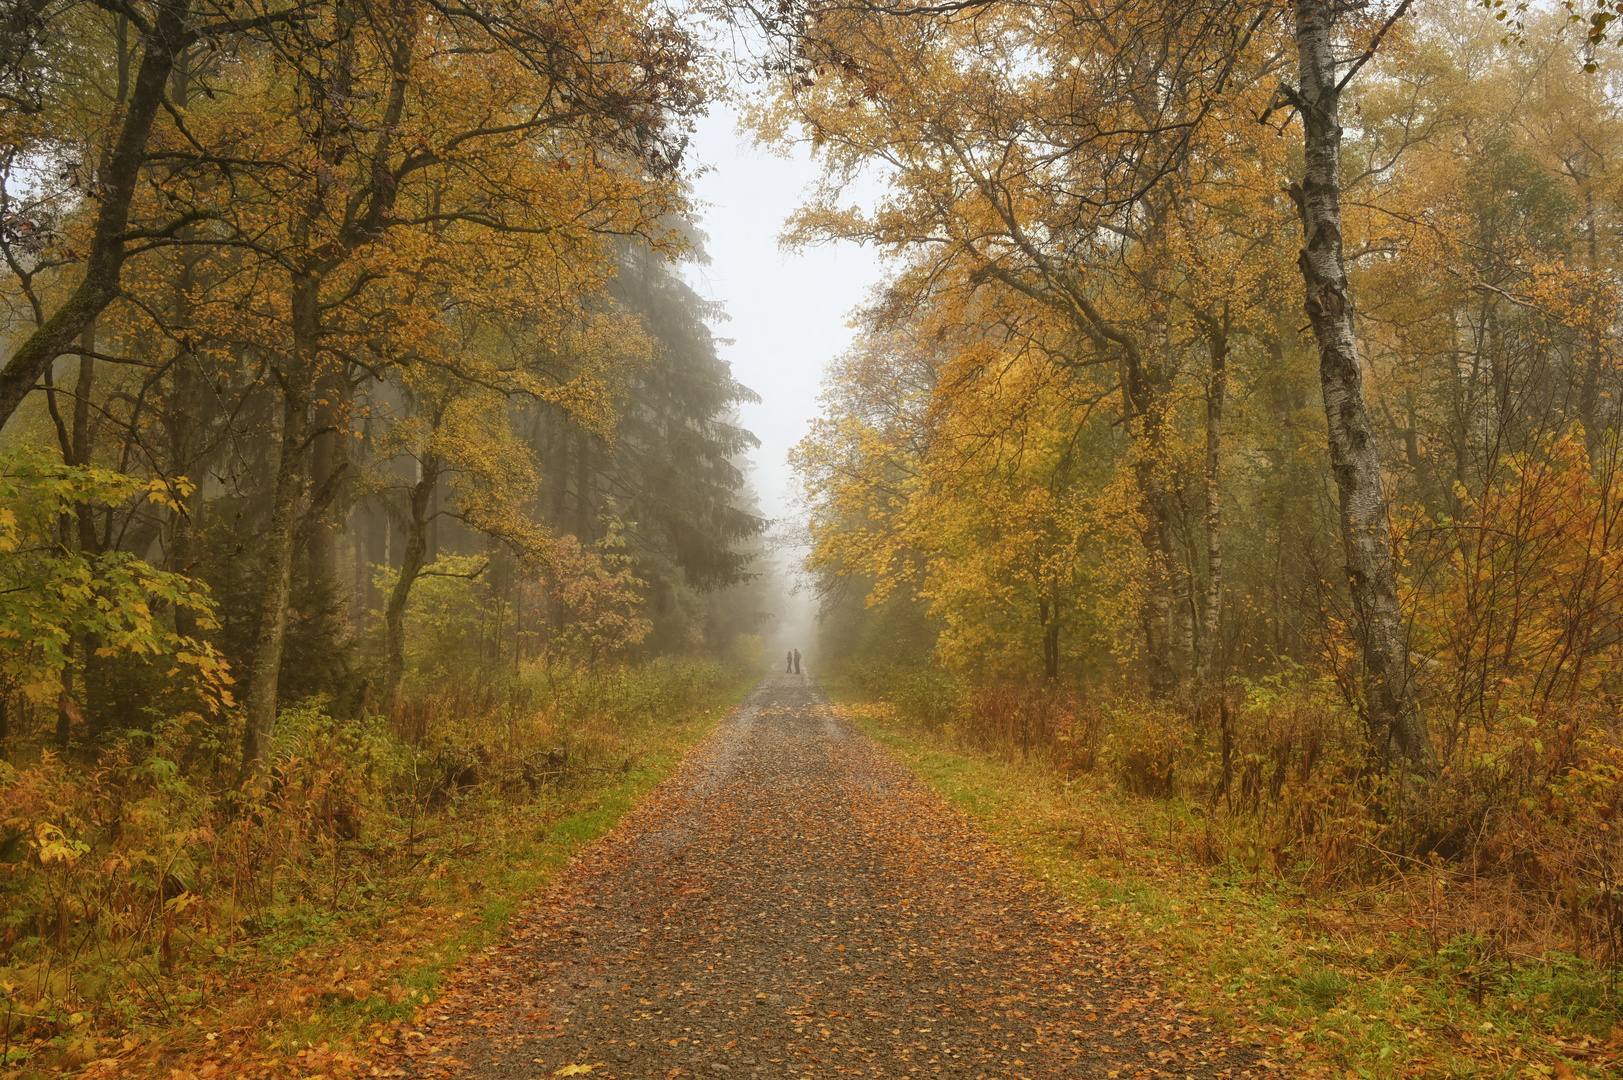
[1224, 488]
[374, 524]
[1224, 494]
[157, 912]
[1284, 903]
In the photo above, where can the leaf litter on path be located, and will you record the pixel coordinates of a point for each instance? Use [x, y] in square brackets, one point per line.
[793, 902]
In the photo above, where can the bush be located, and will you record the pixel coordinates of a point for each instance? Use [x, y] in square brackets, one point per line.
[117, 876]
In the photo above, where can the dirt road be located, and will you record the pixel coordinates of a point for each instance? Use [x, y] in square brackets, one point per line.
[794, 902]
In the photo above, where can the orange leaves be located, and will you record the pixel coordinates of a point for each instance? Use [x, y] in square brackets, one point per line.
[597, 593]
[1523, 590]
[462, 198]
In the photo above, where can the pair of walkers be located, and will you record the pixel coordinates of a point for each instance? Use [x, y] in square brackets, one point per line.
[791, 662]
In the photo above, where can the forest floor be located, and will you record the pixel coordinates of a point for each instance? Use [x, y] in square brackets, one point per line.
[795, 902]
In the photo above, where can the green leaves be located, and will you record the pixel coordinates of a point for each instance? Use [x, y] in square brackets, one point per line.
[53, 598]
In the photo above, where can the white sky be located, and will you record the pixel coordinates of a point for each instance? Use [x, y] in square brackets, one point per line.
[788, 311]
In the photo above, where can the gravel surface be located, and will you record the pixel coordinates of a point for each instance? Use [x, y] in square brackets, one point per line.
[793, 902]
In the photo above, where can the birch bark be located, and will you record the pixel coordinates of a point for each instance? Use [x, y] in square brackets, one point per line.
[1395, 724]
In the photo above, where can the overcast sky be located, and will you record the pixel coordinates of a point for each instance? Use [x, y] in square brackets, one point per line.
[788, 311]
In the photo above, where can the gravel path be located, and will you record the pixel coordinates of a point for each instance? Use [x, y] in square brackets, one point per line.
[793, 902]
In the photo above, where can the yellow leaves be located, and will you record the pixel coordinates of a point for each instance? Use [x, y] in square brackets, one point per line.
[573, 1070]
[949, 468]
[1522, 583]
[48, 595]
[967, 455]
[169, 494]
[52, 845]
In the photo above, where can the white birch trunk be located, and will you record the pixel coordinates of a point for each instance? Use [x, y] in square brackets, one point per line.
[1395, 724]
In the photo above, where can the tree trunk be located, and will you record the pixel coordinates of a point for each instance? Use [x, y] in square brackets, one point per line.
[411, 565]
[431, 549]
[66, 710]
[360, 531]
[378, 553]
[1589, 389]
[183, 409]
[1048, 613]
[116, 183]
[1156, 613]
[329, 460]
[84, 514]
[1151, 372]
[1143, 403]
[1216, 391]
[265, 671]
[182, 555]
[1182, 573]
[84, 386]
[300, 380]
[585, 519]
[557, 472]
[1395, 724]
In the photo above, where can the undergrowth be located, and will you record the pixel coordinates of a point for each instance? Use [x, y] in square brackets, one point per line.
[1248, 856]
[149, 908]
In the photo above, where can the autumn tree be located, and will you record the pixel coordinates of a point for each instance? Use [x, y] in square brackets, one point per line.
[991, 507]
[669, 470]
[1490, 321]
[423, 138]
[1066, 188]
[68, 219]
[468, 458]
[1110, 118]
[327, 193]
[56, 597]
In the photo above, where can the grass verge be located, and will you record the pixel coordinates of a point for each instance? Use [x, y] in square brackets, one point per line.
[1332, 983]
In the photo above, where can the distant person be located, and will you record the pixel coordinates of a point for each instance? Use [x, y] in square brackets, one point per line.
[789, 662]
[796, 655]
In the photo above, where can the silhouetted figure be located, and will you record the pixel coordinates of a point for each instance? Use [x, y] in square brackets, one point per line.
[796, 655]
[789, 662]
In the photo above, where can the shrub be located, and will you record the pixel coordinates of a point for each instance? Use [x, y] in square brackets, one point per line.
[118, 876]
